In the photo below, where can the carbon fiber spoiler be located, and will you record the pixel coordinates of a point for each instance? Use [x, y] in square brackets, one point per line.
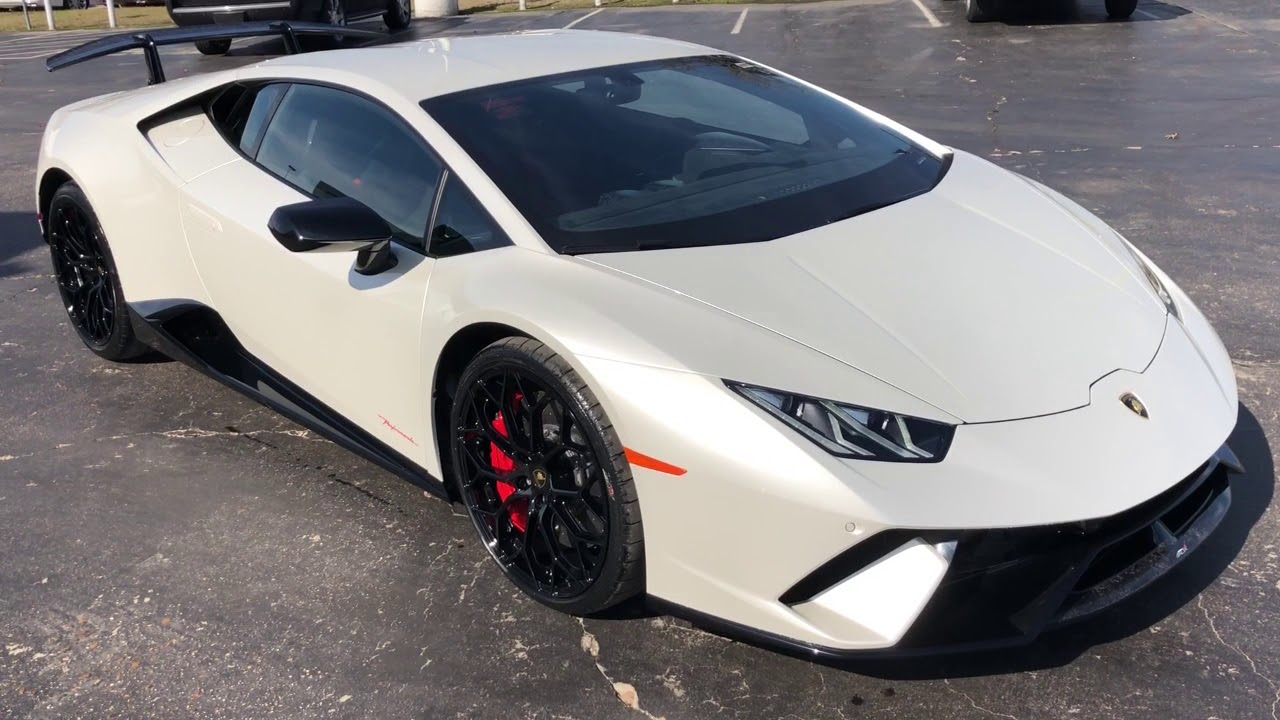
[148, 41]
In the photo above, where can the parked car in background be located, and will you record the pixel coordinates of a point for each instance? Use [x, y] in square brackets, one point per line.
[984, 10]
[395, 13]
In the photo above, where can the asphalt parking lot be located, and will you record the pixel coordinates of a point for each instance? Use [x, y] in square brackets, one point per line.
[169, 549]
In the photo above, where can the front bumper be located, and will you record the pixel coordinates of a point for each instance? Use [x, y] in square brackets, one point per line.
[1003, 587]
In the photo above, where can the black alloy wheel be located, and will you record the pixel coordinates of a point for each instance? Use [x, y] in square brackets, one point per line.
[214, 47]
[399, 14]
[545, 480]
[982, 10]
[86, 276]
[1120, 9]
[334, 14]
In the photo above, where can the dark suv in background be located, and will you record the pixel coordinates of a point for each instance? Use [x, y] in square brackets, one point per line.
[396, 14]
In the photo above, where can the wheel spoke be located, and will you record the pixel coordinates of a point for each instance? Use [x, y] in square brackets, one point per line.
[485, 425]
[565, 533]
[82, 272]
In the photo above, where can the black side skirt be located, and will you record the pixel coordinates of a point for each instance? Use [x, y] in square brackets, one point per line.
[195, 334]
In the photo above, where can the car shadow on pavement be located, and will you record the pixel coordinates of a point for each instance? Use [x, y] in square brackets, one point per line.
[1082, 12]
[1251, 495]
[18, 235]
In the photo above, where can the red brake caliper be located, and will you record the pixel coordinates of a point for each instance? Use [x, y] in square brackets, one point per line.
[503, 465]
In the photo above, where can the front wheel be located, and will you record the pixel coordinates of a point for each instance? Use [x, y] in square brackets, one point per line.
[213, 47]
[980, 10]
[545, 479]
[398, 14]
[87, 279]
[1121, 9]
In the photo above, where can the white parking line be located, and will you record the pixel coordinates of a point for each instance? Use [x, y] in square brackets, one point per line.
[737, 27]
[1146, 14]
[58, 36]
[584, 17]
[933, 19]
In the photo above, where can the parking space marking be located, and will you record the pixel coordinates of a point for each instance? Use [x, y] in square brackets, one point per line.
[584, 17]
[928, 14]
[742, 17]
[76, 36]
[1145, 14]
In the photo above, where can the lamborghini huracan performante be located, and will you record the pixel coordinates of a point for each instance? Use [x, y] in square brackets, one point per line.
[668, 323]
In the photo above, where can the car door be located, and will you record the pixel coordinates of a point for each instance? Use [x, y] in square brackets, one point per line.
[350, 340]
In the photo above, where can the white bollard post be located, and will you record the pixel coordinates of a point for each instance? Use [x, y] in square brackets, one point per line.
[111, 13]
[434, 8]
[48, 14]
[523, 6]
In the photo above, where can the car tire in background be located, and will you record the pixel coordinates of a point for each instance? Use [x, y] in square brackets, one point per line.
[399, 14]
[1121, 9]
[332, 12]
[213, 47]
[981, 10]
[545, 478]
[87, 279]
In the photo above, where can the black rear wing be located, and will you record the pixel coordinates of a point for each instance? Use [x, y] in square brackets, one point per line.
[148, 41]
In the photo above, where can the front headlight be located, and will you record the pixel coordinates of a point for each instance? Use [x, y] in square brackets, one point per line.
[851, 431]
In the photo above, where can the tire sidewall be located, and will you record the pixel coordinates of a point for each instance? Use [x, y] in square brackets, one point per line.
[616, 473]
[120, 344]
[396, 17]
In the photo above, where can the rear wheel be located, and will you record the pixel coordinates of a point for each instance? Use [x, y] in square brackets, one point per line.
[981, 10]
[399, 14]
[87, 278]
[1121, 9]
[213, 47]
[545, 479]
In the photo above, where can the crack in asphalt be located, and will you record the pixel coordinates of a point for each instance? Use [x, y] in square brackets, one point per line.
[1275, 703]
[976, 706]
[591, 646]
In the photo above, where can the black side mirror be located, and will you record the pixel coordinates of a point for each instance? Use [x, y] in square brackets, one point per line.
[338, 224]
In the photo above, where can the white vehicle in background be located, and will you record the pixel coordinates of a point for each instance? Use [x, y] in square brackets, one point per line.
[667, 322]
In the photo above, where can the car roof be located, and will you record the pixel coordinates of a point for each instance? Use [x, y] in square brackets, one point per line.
[439, 66]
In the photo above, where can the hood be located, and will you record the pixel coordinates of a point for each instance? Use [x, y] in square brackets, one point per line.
[983, 297]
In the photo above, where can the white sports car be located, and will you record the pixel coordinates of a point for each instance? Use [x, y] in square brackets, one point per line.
[667, 322]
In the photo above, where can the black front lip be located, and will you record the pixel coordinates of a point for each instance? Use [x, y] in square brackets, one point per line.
[1004, 587]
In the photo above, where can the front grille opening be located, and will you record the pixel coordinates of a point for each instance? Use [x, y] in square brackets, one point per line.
[1181, 516]
[1118, 556]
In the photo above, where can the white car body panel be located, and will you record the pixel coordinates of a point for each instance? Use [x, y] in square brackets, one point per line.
[350, 340]
[923, 291]
[991, 303]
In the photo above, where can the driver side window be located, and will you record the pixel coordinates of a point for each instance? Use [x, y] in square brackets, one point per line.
[331, 143]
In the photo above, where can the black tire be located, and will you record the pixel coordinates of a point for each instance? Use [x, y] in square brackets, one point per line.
[398, 15]
[87, 279]
[1121, 9]
[579, 477]
[213, 47]
[977, 11]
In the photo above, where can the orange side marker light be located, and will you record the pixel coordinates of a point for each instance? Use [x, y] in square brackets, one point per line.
[644, 461]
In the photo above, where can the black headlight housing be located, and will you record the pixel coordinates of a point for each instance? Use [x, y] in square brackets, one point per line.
[851, 431]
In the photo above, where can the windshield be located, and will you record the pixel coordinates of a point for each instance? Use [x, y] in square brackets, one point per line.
[680, 153]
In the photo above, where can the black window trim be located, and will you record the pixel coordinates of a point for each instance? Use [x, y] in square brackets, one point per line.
[446, 172]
